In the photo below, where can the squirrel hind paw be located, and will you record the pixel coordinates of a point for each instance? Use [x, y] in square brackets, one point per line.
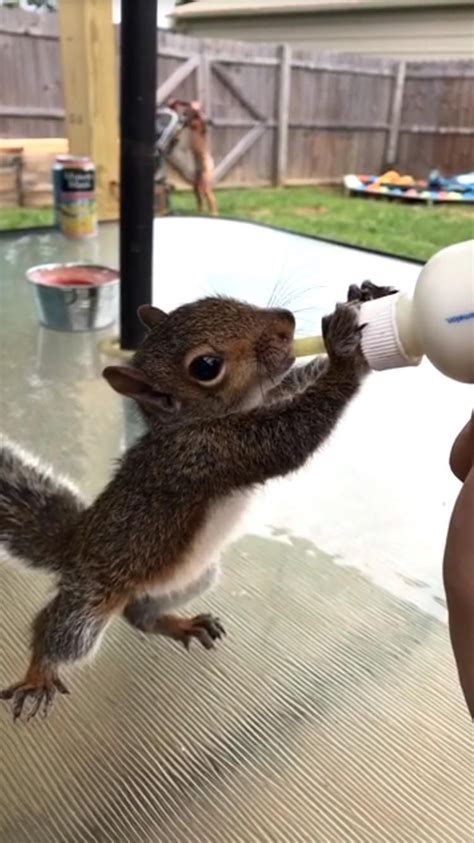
[27, 699]
[204, 628]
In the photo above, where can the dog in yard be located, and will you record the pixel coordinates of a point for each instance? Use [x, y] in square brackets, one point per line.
[203, 177]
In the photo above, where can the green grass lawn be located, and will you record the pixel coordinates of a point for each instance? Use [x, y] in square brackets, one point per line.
[415, 231]
[11, 218]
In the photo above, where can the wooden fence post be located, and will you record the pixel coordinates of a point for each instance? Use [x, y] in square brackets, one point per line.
[284, 75]
[204, 83]
[395, 117]
[89, 65]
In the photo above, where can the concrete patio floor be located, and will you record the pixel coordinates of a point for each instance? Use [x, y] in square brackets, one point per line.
[331, 712]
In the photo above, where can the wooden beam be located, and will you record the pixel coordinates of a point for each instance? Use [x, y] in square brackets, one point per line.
[45, 113]
[438, 130]
[239, 123]
[337, 126]
[284, 90]
[325, 66]
[235, 89]
[29, 32]
[317, 125]
[397, 105]
[36, 146]
[179, 75]
[172, 52]
[89, 66]
[204, 86]
[452, 69]
[441, 74]
[237, 152]
[250, 61]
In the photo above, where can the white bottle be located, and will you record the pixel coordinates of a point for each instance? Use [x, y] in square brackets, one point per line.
[437, 322]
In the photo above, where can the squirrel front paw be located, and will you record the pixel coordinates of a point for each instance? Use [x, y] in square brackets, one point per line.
[342, 334]
[368, 292]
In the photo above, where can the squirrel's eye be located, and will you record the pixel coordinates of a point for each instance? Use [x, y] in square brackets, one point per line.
[207, 368]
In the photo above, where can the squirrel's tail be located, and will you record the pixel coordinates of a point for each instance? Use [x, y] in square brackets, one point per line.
[38, 511]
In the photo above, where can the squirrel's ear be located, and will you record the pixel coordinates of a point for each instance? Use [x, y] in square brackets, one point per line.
[134, 384]
[150, 316]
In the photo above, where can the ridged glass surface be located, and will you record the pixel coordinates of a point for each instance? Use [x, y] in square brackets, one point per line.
[331, 712]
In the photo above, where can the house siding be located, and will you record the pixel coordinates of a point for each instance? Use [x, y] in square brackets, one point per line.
[417, 34]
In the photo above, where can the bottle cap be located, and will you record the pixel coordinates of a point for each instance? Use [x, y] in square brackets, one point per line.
[381, 343]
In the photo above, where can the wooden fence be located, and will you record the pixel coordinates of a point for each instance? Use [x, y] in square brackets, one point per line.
[279, 115]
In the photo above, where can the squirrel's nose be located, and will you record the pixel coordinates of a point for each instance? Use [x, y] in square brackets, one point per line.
[283, 325]
[285, 315]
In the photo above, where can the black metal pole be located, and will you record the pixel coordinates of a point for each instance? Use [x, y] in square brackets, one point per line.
[137, 136]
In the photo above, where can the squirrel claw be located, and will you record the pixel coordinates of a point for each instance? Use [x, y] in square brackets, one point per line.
[367, 292]
[27, 699]
[205, 628]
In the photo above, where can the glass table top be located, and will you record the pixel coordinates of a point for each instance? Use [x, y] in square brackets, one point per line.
[331, 712]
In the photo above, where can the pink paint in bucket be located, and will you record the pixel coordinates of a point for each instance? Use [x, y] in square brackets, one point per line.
[75, 297]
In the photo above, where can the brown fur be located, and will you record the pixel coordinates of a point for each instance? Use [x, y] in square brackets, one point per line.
[203, 163]
[141, 546]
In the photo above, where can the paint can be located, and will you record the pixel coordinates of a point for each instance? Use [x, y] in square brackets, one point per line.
[75, 296]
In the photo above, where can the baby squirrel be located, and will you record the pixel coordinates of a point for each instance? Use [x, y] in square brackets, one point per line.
[225, 412]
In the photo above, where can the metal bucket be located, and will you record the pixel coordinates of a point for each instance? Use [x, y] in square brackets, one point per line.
[75, 296]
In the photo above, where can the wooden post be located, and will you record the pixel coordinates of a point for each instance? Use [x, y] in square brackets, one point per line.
[89, 66]
[395, 117]
[283, 114]
[204, 83]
